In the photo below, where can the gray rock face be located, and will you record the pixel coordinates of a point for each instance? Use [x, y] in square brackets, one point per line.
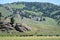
[22, 28]
[18, 28]
[28, 28]
[6, 27]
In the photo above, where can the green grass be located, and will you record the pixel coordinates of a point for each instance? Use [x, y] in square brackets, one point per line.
[4, 11]
[47, 27]
[32, 12]
[54, 12]
[44, 28]
[30, 38]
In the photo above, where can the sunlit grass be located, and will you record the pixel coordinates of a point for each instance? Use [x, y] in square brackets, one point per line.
[30, 38]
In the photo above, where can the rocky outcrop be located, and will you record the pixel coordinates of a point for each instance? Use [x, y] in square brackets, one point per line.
[16, 24]
[6, 27]
[22, 28]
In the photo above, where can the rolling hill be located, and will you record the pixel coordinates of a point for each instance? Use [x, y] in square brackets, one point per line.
[50, 12]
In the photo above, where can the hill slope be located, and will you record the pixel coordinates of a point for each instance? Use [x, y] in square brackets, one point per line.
[49, 11]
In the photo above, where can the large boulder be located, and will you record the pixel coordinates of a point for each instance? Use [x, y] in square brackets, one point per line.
[18, 28]
[28, 28]
[6, 27]
[22, 28]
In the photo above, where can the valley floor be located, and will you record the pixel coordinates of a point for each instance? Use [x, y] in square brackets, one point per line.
[31, 38]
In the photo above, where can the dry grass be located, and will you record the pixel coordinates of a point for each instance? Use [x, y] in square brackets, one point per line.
[30, 38]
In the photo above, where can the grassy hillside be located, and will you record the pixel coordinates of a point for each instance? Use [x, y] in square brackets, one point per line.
[4, 11]
[48, 27]
[49, 11]
[33, 12]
